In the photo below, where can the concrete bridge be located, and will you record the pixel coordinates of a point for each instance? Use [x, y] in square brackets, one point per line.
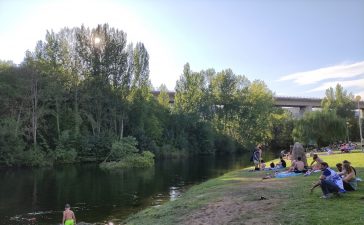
[297, 105]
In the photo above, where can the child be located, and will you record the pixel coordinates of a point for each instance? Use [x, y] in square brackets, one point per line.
[272, 166]
[68, 216]
[262, 164]
[282, 163]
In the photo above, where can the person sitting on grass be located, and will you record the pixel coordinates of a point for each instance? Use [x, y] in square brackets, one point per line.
[346, 161]
[272, 166]
[282, 163]
[317, 160]
[349, 179]
[339, 167]
[298, 166]
[262, 164]
[341, 170]
[330, 182]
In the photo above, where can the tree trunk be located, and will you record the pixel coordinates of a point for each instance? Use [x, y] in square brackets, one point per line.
[98, 118]
[57, 118]
[18, 120]
[76, 115]
[34, 95]
[122, 128]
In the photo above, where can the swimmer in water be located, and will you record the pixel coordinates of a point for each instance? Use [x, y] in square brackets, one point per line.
[68, 216]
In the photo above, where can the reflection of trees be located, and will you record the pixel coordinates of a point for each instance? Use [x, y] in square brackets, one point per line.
[34, 195]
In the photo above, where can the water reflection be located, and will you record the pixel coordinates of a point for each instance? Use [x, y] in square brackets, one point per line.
[97, 196]
[174, 193]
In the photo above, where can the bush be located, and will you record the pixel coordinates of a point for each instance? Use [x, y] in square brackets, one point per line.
[136, 160]
[65, 155]
[36, 157]
[224, 144]
[64, 152]
[121, 149]
[11, 144]
[124, 154]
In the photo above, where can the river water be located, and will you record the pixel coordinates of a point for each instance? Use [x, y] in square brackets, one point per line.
[38, 196]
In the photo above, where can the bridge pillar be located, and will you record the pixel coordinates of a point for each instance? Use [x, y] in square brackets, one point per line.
[304, 109]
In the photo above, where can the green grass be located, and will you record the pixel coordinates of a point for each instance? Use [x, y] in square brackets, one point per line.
[289, 199]
[305, 208]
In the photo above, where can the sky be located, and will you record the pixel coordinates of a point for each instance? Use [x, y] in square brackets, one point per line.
[298, 48]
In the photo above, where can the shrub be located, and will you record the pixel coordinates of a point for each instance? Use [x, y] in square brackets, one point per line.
[36, 157]
[64, 152]
[11, 144]
[136, 160]
[124, 154]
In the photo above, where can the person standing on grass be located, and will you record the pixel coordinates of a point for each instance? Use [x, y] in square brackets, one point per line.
[257, 157]
[330, 182]
[68, 216]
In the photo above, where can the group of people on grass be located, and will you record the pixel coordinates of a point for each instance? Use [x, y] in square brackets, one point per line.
[331, 182]
[347, 148]
[259, 163]
[336, 183]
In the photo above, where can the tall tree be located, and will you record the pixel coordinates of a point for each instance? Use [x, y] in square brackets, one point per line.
[339, 100]
[319, 127]
[163, 97]
[189, 91]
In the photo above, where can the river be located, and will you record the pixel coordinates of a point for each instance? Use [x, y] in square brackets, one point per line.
[37, 196]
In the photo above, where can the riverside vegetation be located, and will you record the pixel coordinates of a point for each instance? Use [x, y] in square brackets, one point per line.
[242, 197]
[84, 93]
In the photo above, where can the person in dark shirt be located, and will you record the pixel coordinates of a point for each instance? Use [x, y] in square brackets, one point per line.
[282, 163]
[257, 156]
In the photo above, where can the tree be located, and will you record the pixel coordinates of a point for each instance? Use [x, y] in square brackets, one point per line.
[189, 91]
[319, 127]
[282, 124]
[163, 97]
[340, 101]
[343, 104]
[253, 120]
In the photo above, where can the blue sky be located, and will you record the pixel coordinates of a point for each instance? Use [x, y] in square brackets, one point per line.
[299, 48]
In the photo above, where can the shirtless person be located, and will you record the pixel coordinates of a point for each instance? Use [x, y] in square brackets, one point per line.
[298, 166]
[68, 216]
[317, 160]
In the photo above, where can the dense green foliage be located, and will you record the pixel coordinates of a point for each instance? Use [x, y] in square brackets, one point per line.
[335, 123]
[82, 90]
[124, 154]
[320, 127]
[344, 104]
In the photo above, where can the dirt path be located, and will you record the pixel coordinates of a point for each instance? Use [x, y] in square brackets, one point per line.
[242, 204]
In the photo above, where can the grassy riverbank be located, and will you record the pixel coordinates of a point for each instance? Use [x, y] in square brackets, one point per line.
[235, 198]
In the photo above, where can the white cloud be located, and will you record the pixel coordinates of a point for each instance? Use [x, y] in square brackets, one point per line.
[333, 72]
[358, 83]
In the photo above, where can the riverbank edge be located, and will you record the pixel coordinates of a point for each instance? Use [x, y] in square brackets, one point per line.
[242, 197]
